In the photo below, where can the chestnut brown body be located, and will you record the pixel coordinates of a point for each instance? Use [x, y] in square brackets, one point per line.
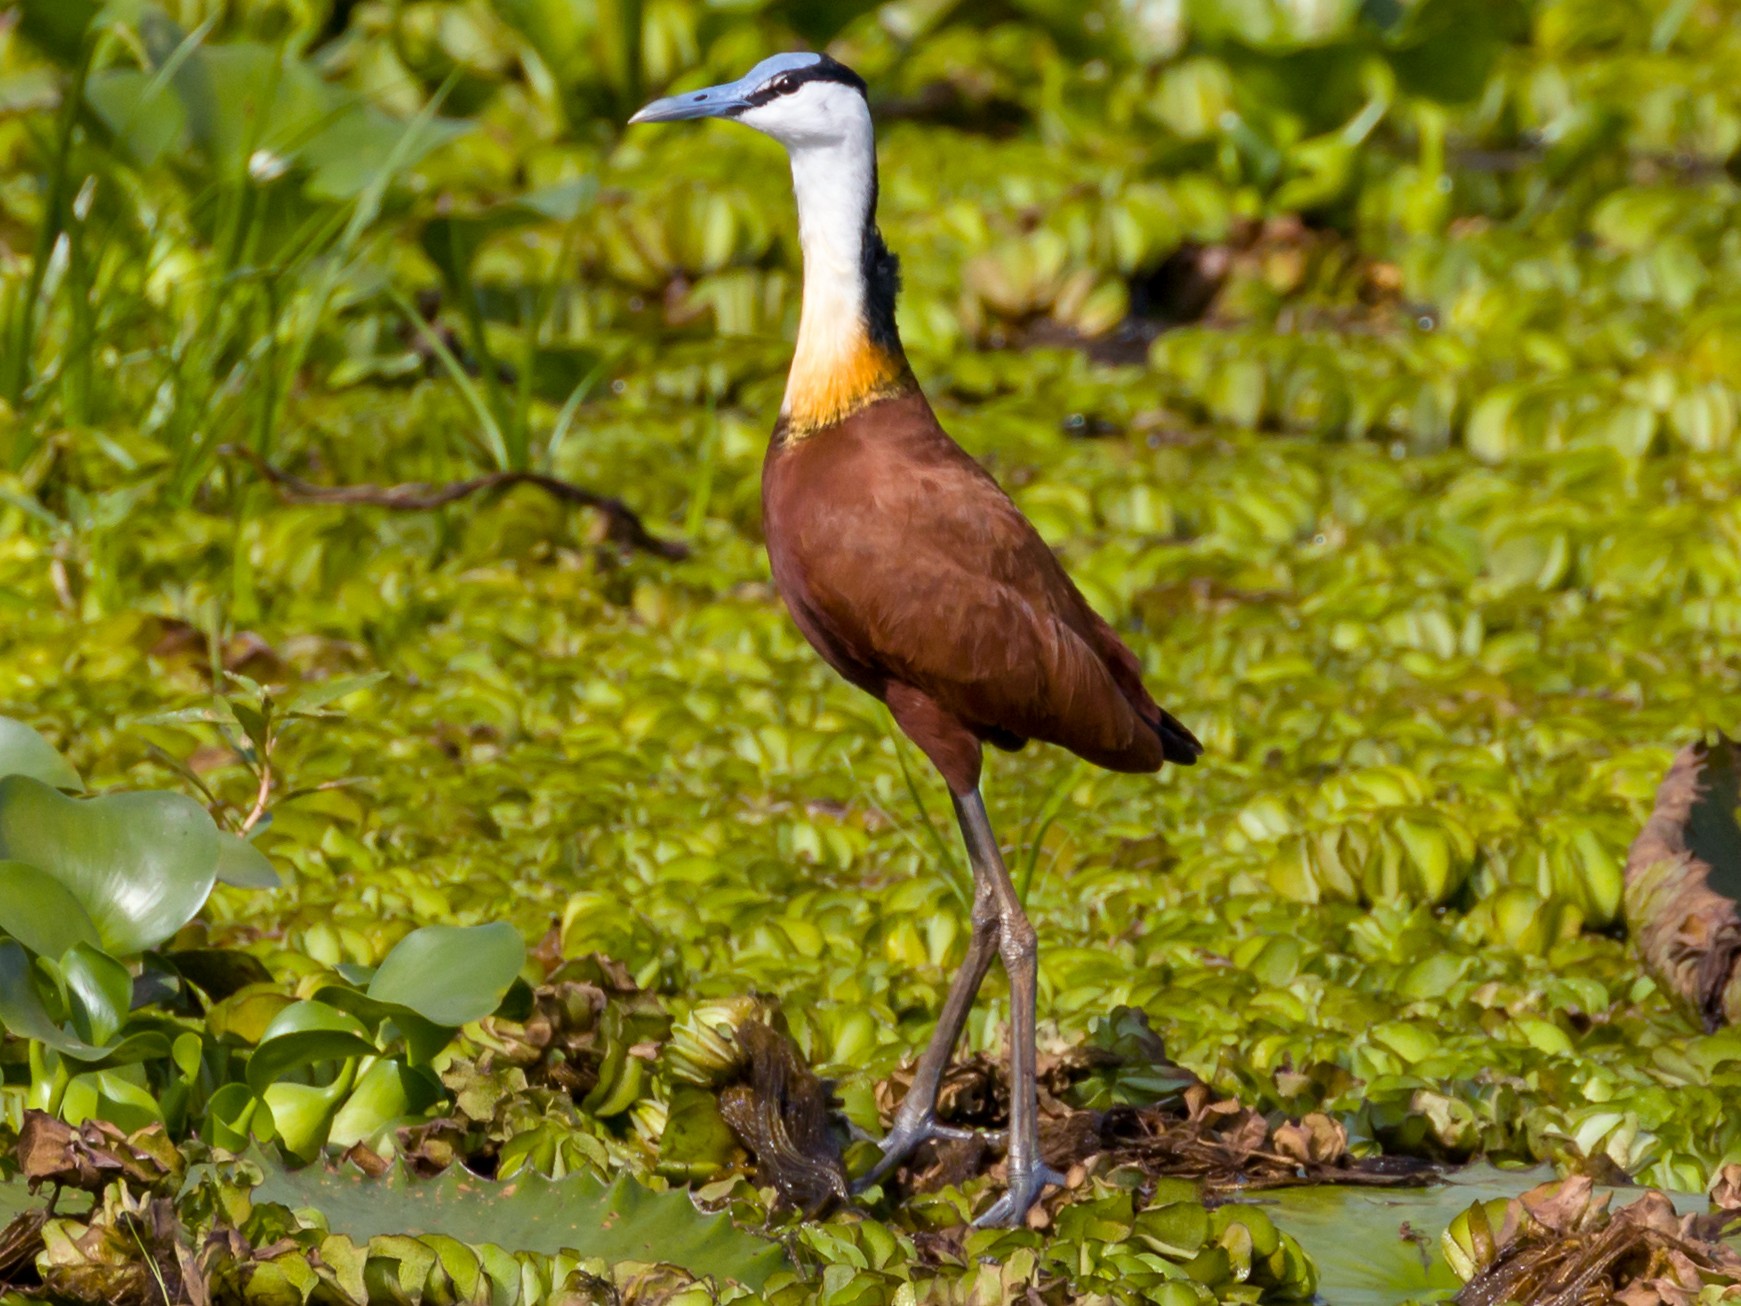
[916, 578]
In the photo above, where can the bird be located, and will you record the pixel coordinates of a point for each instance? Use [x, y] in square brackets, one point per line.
[915, 576]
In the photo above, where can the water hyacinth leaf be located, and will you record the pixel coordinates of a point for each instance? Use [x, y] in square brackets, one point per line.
[245, 1015]
[23, 1014]
[424, 1039]
[41, 912]
[696, 1142]
[235, 1114]
[242, 865]
[141, 864]
[451, 974]
[99, 991]
[305, 1034]
[25, 752]
[303, 1114]
[109, 1095]
[624, 1221]
[388, 1093]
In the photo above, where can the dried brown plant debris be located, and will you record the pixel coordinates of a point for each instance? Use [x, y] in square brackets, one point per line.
[780, 1114]
[1194, 1135]
[1683, 882]
[88, 1156]
[1557, 1245]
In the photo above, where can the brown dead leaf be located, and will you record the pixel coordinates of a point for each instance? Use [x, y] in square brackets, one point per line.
[366, 1159]
[1313, 1140]
[1562, 1208]
[1726, 1188]
[88, 1157]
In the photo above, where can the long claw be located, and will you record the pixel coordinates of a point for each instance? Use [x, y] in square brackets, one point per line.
[1011, 1210]
[906, 1135]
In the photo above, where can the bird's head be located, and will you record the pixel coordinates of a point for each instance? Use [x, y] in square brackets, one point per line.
[848, 352]
[801, 100]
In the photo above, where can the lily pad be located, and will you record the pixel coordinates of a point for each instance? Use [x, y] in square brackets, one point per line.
[140, 864]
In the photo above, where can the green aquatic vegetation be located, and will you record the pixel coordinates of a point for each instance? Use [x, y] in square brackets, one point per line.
[1372, 366]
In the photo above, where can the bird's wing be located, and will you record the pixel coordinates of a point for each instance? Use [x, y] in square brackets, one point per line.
[926, 570]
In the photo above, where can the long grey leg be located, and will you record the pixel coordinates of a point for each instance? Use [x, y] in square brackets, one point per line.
[1019, 948]
[916, 1120]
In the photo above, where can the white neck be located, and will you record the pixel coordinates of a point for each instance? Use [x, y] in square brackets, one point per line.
[834, 184]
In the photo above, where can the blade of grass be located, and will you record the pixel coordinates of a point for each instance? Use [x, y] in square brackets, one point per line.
[494, 446]
[701, 488]
[363, 213]
[1050, 809]
[520, 429]
[565, 419]
[15, 368]
[487, 367]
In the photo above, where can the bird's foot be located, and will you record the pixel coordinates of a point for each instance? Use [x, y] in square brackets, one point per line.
[906, 1134]
[1011, 1210]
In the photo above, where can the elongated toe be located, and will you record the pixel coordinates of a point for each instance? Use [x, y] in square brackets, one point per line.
[1011, 1210]
[904, 1137]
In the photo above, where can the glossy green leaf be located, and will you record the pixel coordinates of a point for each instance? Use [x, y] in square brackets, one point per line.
[450, 974]
[23, 1014]
[387, 1094]
[141, 864]
[99, 990]
[41, 912]
[302, 1035]
[25, 752]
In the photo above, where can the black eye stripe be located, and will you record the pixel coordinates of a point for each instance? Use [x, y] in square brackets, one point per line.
[824, 70]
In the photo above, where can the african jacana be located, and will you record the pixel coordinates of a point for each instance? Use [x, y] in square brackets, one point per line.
[912, 573]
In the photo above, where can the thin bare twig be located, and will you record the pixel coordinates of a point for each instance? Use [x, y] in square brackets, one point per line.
[623, 526]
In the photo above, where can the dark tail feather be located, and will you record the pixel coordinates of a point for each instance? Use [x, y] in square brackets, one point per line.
[1178, 745]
